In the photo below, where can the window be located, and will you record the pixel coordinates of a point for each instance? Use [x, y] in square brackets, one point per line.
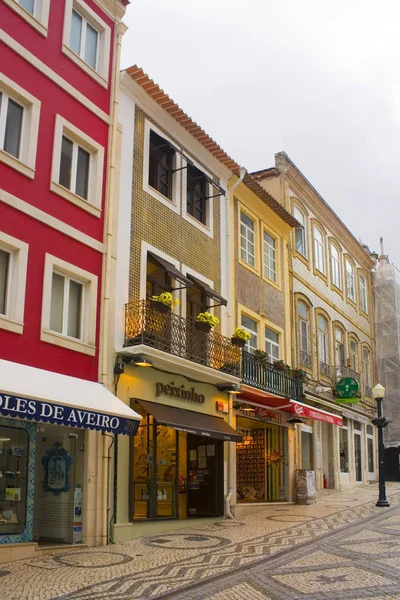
[66, 306]
[35, 12]
[13, 266]
[247, 239]
[86, 40]
[272, 344]
[353, 355]
[350, 281]
[252, 327]
[363, 293]
[335, 267]
[77, 170]
[304, 335]
[344, 446]
[319, 260]
[367, 371]
[323, 348]
[339, 347]
[160, 165]
[69, 306]
[300, 232]
[269, 257]
[197, 194]
[14, 472]
[74, 168]
[19, 124]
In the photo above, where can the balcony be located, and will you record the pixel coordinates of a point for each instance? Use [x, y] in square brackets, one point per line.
[172, 341]
[324, 369]
[305, 360]
[269, 379]
[342, 371]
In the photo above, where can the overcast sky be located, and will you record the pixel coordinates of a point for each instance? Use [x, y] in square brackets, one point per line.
[317, 79]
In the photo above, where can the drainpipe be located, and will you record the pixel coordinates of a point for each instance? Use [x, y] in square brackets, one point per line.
[105, 334]
[242, 173]
[231, 451]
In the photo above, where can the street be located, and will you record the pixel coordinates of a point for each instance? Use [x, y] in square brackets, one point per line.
[342, 547]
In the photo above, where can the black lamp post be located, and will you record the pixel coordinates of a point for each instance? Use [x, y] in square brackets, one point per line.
[379, 393]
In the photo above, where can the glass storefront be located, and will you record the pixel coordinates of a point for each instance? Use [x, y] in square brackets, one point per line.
[344, 446]
[261, 462]
[174, 474]
[14, 449]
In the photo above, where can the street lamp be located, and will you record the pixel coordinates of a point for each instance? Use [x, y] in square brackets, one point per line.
[378, 393]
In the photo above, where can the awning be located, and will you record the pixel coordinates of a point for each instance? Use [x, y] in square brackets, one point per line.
[44, 396]
[356, 417]
[170, 269]
[209, 291]
[191, 422]
[309, 412]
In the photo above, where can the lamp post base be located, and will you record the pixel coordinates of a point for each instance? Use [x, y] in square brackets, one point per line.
[382, 503]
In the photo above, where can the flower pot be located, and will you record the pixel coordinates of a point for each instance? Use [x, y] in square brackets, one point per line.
[159, 306]
[200, 326]
[238, 342]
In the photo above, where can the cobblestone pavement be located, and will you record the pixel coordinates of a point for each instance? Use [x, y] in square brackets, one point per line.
[342, 547]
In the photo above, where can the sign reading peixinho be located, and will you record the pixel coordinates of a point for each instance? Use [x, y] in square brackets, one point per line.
[347, 390]
[179, 392]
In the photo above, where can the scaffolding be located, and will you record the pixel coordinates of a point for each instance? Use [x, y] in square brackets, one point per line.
[387, 335]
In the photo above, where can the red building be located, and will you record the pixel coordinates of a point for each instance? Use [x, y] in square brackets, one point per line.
[58, 85]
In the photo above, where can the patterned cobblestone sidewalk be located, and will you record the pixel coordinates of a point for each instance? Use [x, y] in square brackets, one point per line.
[252, 551]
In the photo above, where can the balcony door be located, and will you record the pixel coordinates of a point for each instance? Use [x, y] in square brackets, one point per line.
[197, 342]
[157, 279]
[158, 325]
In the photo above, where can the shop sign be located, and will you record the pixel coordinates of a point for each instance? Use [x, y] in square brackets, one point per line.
[318, 415]
[36, 410]
[179, 392]
[267, 415]
[347, 390]
[56, 464]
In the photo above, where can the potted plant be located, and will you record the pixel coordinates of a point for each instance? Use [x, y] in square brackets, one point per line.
[300, 375]
[240, 336]
[163, 302]
[205, 321]
[280, 365]
[261, 357]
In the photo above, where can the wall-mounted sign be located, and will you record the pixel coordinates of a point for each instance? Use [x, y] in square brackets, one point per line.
[265, 414]
[56, 464]
[179, 392]
[347, 390]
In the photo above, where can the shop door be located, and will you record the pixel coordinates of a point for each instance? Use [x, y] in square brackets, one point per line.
[205, 477]
[371, 453]
[358, 456]
[59, 470]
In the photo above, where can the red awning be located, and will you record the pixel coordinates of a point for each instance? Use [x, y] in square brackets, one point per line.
[309, 412]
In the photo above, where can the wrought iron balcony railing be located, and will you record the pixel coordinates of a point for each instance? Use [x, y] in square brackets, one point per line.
[266, 377]
[178, 336]
[342, 371]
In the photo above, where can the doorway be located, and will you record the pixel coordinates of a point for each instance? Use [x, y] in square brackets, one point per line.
[205, 477]
[358, 452]
[58, 485]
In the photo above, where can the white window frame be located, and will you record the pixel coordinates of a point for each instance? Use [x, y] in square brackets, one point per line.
[339, 343]
[254, 232]
[208, 226]
[173, 203]
[306, 322]
[267, 257]
[336, 278]
[319, 251]
[303, 228]
[13, 320]
[353, 355]
[323, 341]
[363, 293]
[274, 344]
[251, 331]
[30, 127]
[40, 18]
[366, 371]
[350, 275]
[95, 188]
[101, 74]
[87, 345]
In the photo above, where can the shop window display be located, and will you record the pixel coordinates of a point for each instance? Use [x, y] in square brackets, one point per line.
[13, 480]
[261, 463]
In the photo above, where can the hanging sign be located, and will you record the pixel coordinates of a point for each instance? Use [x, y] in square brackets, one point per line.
[347, 390]
[264, 414]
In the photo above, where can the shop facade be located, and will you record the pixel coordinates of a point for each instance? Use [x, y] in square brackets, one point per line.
[51, 450]
[176, 466]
